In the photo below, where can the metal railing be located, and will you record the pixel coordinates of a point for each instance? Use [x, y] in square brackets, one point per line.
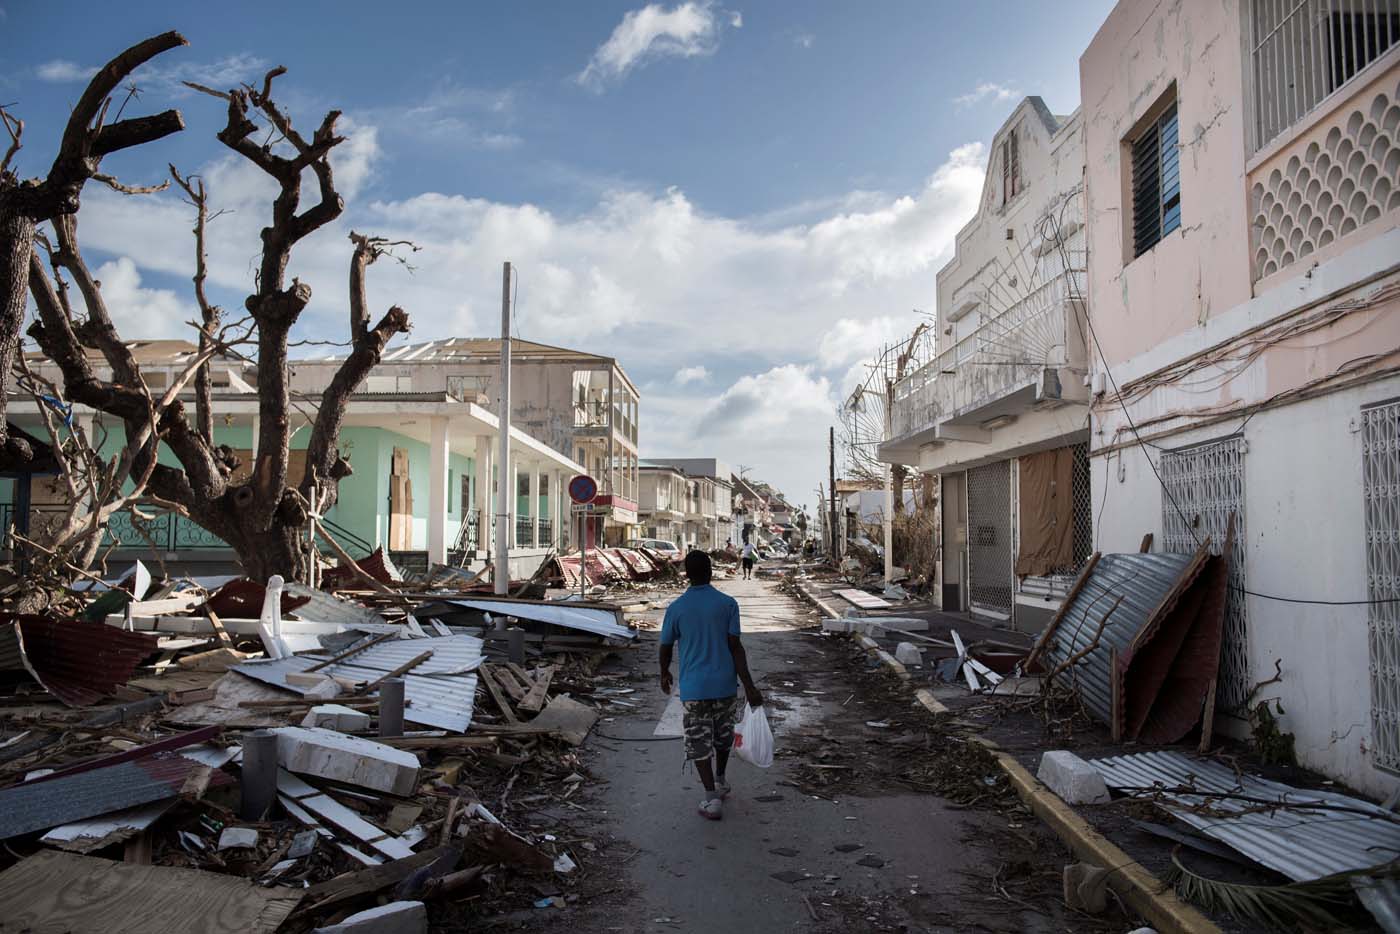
[524, 531]
[1002, 355]
[1303, 50]
[546, 531]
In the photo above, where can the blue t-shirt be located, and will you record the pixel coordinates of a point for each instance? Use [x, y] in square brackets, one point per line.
[701, 620]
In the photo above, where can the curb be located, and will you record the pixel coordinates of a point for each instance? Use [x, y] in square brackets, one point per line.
[1144, 892]
[1148, 895]
[818, 602]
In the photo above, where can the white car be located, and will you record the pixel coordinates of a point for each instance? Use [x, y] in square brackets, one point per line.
[659, 545]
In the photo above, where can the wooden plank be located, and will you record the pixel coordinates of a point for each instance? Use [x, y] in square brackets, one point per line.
[488, 678]
[53, 892]
[218, 625]
[507, 680]
[539, 692]
[353, 650]
[324, 896]
[406, 666]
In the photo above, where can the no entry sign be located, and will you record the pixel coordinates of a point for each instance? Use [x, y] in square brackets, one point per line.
[583, 488]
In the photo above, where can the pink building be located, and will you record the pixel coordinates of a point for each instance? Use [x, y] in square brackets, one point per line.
[1243, 197]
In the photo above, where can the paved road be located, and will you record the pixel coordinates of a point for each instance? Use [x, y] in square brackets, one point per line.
[694, 875]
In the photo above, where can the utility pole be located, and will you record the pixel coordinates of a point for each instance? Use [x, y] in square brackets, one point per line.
[500, 574]
[831, 491]
[889, 485]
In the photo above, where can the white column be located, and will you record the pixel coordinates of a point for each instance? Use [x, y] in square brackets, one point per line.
[512, 475]
[535, 503]
[483, 494]
[438, 449]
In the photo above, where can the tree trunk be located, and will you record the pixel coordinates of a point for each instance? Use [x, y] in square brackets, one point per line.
[16, 245]
[265, 552]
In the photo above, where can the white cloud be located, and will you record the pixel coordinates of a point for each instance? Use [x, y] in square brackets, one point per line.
[140, 312]
[652, 32]
[353, 160]
[736, 19]
[988, 91]
[646, 277]
[853, 339]
[692, 374]
[63, 70]
[804, 40]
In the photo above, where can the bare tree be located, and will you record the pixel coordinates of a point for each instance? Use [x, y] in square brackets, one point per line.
[263, 519]
[26, 204]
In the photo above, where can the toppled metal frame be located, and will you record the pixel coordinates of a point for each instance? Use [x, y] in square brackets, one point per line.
[1300, 842]
[600, 620]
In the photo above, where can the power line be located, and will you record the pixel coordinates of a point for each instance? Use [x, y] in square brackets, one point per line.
[1088, 320]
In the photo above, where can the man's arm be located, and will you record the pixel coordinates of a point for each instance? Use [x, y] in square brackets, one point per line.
[741, 665]
[666, 651]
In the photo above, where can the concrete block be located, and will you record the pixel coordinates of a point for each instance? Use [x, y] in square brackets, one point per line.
[349, 759]
[1073, 779]
[849, 625]
[907, 653]
[393, 918]
[337, 717]
[238, 838]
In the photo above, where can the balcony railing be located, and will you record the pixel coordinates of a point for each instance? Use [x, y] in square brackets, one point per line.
[1339, 173]
[524, 532]
[164, 532]
[546, 532]
[1004, 354]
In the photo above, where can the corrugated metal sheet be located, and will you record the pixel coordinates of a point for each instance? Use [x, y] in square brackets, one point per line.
[1302, 843]
[1143, 581]
[441, 692]
[34, 806]
[78, 662]
[321, 607]
[597, 620]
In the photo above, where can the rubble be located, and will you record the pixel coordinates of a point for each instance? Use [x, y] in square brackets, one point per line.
[1070, 777]
[140, 755]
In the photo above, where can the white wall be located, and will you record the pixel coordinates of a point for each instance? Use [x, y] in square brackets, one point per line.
[1306, 539]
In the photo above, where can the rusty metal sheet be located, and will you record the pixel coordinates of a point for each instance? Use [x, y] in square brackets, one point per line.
[78, 662]
[243, 599]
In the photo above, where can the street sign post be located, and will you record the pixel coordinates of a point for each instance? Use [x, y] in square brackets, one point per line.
[582, 490]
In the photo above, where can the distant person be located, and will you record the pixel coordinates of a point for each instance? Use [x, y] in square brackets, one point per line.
[749, 556]
[705, 624]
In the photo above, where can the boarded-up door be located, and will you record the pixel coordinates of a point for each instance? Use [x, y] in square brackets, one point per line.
[400, 503]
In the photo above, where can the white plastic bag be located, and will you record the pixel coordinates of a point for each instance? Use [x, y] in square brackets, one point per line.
[753, 738]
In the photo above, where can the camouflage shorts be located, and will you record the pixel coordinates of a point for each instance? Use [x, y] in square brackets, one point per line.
[709, 726]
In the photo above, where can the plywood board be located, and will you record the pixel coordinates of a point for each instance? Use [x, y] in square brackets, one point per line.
[53, 892]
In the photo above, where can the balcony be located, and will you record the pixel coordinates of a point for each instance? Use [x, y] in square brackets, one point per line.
[1330, 180]
[1030, 355]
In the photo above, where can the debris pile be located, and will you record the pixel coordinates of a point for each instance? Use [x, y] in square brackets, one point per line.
[290, 756]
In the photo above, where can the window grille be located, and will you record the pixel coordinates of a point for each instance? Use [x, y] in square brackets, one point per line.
[1303, 50]
[990, 572]
[1207, 483]
[1156, 183]
[1380, 464]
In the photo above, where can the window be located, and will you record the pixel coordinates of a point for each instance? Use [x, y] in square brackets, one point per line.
[1010, 167]
[1156, 182]
[1303, 50]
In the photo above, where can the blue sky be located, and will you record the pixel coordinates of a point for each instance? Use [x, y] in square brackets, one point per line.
[739, 201]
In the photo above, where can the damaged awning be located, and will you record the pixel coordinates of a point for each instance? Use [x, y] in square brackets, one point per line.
[601, 620]
[1138, 638]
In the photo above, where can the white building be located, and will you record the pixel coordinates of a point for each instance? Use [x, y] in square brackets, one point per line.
[1002, 406]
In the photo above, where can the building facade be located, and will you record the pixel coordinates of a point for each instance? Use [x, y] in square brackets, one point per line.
[662, 506]
[999, 414]
[424, 471]
[581, 405]
[709, 518]
[1243, 181]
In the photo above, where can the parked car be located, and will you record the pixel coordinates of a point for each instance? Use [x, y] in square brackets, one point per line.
[659, 545]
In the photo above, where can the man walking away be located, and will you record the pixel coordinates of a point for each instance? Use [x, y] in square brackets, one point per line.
[749, 556]
[705, 624]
